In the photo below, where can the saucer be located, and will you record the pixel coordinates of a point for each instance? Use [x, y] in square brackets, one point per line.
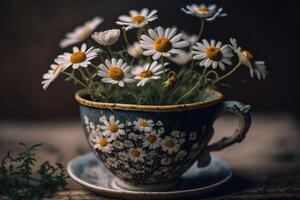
[91, 173]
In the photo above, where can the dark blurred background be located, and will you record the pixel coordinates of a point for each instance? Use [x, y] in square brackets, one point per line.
[31, 30]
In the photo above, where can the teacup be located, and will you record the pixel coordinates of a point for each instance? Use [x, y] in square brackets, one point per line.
[148, 147]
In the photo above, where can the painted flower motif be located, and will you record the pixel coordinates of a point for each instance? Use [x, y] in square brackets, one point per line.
[202, 11]
[176, 133]
[123, 174]
[123, 156]
[166, 161]
[119, 145]
[128, 143]
[157, 173]
[107, 38]
[81, 33]
[212, 54]
[102, 119]
[135, 50]
[99, 142]
[170, 145]
[143, 124]
[137, 19]
[93, 172]
[133, 136]
[148, 72]
[162, 42]
[51, 75]
[193, 136]
[161, 130]
[159, 123]
[128, 123]
[112, 162]
[136, 171]
[136, 154]
[150, 162]
[112, 128]
[86, 120]
[115, 72]
[152, 140]
[180, 155]
[257, 68]
[79, 58]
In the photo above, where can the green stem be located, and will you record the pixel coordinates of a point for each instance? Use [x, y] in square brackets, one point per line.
[140, 32]
[117, 93]
[196, 86]
[229, 73]
[201, 29]
[163, 80]
[109, 51]
[125, 38]
[75, 79]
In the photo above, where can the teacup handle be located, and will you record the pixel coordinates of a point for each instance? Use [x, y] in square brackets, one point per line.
[243, 113]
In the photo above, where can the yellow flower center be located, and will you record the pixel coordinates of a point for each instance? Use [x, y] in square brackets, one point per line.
[138, 19]
[213, 53]
[203, 10]
[116, 73]
[78, 57]
[136, 153]
[144, 124]
[55, 70]
[146, 74]
[152, 138]
[170, 143]
[113, 128]
[102, 142]
[162, 44]
[247, 54]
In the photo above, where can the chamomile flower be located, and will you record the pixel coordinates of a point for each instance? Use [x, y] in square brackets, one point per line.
[212, 54]
[202, 11]
[166, 161]
[148, 72]
[107, 38]
[115, 72]
[81, 33]
[51, 75]
[99, 142]
[112, 128]
[143, 124]
[170, 145]
[192, 39]
[79, 58]
[181, 155]
[152, 140]
[137, 19]
[136, 154]
[162, 42]
[181, 59]
[111, 162]
[135, 50]
[257, 68]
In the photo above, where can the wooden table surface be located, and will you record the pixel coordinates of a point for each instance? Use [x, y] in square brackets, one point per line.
[266, 165]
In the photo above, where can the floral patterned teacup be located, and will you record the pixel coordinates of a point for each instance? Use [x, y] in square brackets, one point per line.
[151, 146]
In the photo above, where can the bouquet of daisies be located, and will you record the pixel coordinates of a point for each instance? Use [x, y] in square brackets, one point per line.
[163, 66]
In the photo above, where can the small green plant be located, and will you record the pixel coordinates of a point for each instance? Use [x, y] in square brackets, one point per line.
[16, 176]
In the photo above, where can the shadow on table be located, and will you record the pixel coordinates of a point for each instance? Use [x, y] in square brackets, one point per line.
[235, 185]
